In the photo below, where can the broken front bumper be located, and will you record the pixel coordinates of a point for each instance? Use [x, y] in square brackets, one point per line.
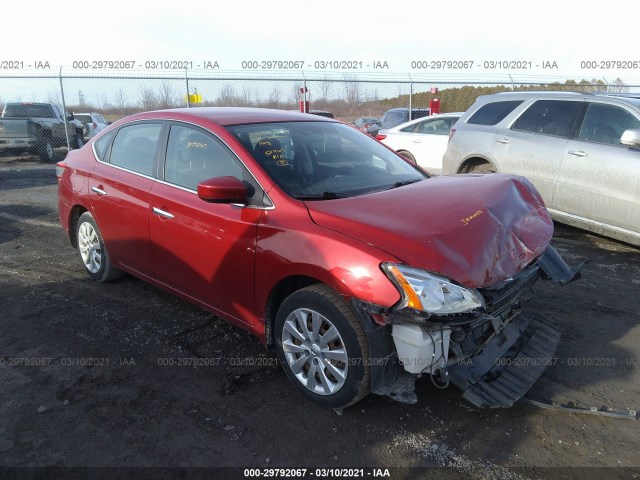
[494, 357]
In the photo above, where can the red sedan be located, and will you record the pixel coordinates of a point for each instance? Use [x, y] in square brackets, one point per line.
[360, 270]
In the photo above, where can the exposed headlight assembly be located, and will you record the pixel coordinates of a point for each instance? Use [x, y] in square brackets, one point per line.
[431, 293]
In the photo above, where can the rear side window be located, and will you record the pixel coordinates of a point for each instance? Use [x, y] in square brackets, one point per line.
[606, 124]
[392, 119]
[134, 147]
[549, 117]
[493, 113]
[102, 145]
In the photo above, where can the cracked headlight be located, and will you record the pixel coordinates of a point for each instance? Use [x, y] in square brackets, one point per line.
[431, 293]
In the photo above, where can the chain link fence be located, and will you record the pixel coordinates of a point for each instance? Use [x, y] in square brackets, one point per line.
[346, 95]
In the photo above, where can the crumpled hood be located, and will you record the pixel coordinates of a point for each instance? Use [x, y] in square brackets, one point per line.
[475, 229]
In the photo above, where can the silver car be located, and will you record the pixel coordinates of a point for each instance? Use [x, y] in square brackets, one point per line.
[581, 151]
[93, 123]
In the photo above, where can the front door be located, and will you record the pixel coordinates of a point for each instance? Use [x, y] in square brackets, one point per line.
[203, 250]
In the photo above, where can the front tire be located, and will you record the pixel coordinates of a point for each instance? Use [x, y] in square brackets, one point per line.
[93, 252]
[323, 348]
[483, 168]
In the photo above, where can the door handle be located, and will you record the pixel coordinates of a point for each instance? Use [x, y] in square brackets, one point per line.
[503, 141]
[98, 190]
[162, 213]
[578, 153]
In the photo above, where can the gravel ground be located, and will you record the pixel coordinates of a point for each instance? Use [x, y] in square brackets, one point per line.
[107, 396]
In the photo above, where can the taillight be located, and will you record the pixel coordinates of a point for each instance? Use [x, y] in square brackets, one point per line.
[60, 166]
[451, 132]
[95, 125]
[381, 136]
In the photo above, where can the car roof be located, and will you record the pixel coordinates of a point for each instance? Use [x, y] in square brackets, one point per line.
[227, 116]
[423, 119]
[629, 99]
[405, 109]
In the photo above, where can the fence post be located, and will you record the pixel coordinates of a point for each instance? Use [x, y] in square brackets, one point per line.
[410, 100]
[64, 110]
[186, 79]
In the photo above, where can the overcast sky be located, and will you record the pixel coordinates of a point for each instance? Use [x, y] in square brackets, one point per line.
[398, 33]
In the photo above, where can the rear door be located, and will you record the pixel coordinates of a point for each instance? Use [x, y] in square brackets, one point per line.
[599, 177]
[119, 192]
[534, 144]
[203, 250]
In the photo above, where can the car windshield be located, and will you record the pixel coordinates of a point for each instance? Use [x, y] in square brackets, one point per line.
[324, 160]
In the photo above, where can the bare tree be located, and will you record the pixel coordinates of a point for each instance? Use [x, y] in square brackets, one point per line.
[274, 96]
[618, 86]
[246, 101]
[325, 88]
[53, 97]
[352, 89]
[120, 100]
[227, 96]
[167, 95]
[148, 99]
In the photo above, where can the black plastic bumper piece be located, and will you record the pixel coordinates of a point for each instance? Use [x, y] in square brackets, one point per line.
[509, 364]
[388, 377]
[555, 267]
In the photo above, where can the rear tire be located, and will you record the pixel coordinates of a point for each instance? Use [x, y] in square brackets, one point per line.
[93, 252]
[408, 156]
[45, 150]
[78, 140]
[323, 348]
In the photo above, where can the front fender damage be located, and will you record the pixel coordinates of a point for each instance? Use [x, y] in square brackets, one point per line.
[494, 357]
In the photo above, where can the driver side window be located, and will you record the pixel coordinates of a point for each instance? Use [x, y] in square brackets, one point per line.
[194, 156]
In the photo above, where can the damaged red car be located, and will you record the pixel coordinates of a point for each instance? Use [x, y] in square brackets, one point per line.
[360, 271]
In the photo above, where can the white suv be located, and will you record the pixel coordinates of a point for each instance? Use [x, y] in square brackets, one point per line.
[581, 151]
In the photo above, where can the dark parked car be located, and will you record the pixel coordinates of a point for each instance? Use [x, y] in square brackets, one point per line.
[38, 128]
[321, 113]
[360, 270]
[396, 116]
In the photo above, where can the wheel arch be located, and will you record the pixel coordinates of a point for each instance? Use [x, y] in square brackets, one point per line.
[468, 164]
[74, 214]
[281, 290]
[411, 156]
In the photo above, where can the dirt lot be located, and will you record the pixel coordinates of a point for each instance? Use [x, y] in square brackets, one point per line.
[108, 398]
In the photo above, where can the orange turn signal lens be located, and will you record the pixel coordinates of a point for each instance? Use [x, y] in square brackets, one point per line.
[409, 293]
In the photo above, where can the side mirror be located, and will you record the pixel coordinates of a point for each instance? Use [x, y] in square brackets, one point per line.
[70, 116]
[222, 190]
[631, 138]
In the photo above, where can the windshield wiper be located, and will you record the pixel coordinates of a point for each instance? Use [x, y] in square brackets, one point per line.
[323, 196]
[404, 182]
